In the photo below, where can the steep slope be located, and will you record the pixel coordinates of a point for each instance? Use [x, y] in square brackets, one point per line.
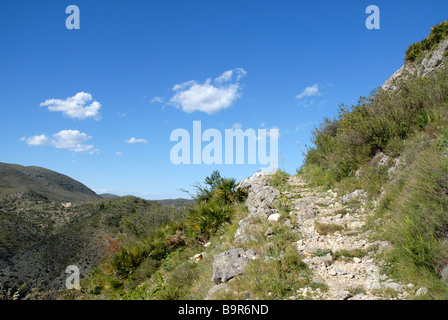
[422, 58]
[393, 145]
[50, 184]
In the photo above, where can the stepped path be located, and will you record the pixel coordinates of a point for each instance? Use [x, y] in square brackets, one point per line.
[336, 245]
[334, 241]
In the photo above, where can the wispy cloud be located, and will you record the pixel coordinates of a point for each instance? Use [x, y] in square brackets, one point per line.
[310, 92]
[237, 125]
[228, 75]
[72, 140]
[135, 140]
[157, 99]
[209, 97]
[75, 107]
[306, 125]
[312, 95]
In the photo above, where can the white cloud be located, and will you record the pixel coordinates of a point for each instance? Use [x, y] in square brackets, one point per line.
[40, 140]
[208, 97]
[310, 92]
[156, 99]
[237, 125]
[135, 140]
[225, 77]
[75, 107]
[65, 139]
[229, 74]
[118, 153]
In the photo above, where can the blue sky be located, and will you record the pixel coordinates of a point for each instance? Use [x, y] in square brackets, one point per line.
[99, 103]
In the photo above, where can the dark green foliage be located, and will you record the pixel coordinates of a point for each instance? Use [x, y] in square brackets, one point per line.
[205, 219]
[215, 205]
[205, 193]
[438, 33]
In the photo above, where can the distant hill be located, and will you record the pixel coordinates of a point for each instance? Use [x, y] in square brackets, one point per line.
[108, 196]
[52, 185]
[179, 202]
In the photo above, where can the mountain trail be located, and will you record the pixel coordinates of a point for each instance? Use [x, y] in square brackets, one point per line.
[334, 241]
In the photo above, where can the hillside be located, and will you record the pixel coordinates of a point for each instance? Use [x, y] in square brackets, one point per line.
[393, 146]
[52, 185]
[39, 240]
[49, 221]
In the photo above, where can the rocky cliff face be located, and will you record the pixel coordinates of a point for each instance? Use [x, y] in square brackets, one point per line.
[433, 60]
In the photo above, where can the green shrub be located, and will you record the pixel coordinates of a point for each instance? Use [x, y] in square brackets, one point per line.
[380, 122]
[278, 178]
[438, 34]
[218, 189]
[327, 228]
[205, 218]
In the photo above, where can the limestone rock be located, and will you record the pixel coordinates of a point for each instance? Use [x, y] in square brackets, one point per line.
[274, 217]
[222, 287]
[231, 263]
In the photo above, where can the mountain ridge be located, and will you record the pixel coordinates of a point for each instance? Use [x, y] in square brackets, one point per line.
[53, 185]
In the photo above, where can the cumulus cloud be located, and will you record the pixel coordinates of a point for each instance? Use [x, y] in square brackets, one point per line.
[135, 140]
[211, 96]
[309, 92]
[72, 140]
[76, 107]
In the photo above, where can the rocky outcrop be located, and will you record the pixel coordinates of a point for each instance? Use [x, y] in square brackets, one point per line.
[433, 60]
[260, 203]
[231, 263]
